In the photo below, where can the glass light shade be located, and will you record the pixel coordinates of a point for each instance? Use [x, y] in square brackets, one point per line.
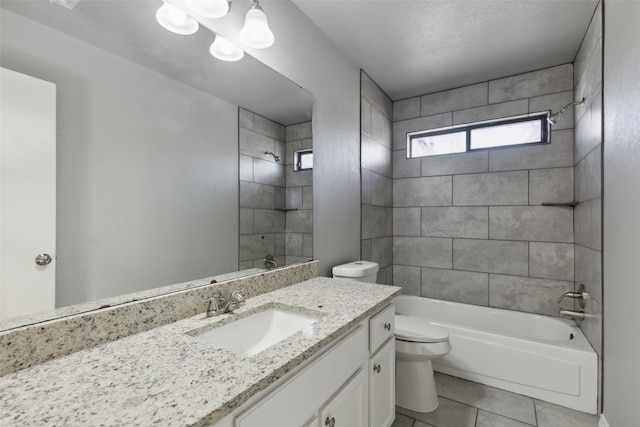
[209, 8]
[223, 49]
[175, 20]
[256, 33]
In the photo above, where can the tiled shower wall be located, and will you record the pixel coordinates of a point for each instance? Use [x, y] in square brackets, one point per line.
[298, 197]
[376, 176]
[470, 227]
[588, 170]
[274, 219]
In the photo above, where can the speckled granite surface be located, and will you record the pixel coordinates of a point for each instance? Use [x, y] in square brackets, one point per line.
[30, 345]
[165, 377]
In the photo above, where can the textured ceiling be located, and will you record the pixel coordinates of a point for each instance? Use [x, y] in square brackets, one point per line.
[413, 47]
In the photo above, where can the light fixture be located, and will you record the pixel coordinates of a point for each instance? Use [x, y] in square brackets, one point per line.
[209, 8]
[223, 49]
[256, 33]
[175, 20]
[554, 118]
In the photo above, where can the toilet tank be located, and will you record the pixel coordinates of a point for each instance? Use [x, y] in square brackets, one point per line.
[361, 271]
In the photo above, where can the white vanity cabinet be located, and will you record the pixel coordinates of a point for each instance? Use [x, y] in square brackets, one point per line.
[349, 385]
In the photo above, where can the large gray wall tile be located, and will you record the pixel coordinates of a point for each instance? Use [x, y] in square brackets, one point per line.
[406, 109]
[255, 246]
[453, 285]
[535, 83]
[454, 99]
[382, 251]
[526, 294]
[449, 164]
[490, 112]
[551, 260]
[245, 119]
[506, 188]
[380, 128]
[588, 271]
[589, 176]
[298, 178]
[365, 116]
[246, 168]
[293, 244]
[266, 172]
[582, 223]
[246, 221]
[401, 128]
[557, 154]
[268, 128]
[422, 251]
[589, 129]
[590, 82]
[372, 93]
[491, 256]
[381, 190]
[299, 131]
[468, 222]
[406, 221]
[550, 185]
[374, 221]
[299, 221]
[590, 44]
[268, 221]
[254, 144]
[253, 195]
[533, 223]
[429, 191]
[375, 156]
[403, 167]
[408, 278]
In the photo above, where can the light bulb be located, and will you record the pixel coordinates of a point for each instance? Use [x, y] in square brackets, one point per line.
[175, 20]
[209, 8]
[256, 33]
[223, 49]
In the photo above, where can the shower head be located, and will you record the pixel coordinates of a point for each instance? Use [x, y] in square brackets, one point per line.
[554, 118]
[276, 158]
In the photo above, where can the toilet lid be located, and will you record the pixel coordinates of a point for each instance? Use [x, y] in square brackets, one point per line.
[418, 329]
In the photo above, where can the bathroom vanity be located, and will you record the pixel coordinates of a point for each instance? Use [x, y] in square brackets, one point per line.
[337, 371]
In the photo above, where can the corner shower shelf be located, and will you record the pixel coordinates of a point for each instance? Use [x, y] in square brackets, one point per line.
[571, 204]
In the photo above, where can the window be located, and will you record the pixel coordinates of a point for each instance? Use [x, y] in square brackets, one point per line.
[302, 160]
[531, 129]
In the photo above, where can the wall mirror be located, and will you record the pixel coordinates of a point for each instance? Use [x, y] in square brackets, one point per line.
[152, 143]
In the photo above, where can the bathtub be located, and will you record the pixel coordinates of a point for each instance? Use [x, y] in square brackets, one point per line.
[542, 357]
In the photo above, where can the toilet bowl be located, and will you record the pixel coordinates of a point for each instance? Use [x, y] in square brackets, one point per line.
[418, 342]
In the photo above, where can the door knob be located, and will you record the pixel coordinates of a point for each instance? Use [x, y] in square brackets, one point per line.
[43, 259]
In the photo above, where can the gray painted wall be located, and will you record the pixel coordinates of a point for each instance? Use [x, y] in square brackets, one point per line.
[377, 184]
[621, 106]
[469, 227]
[147, 188]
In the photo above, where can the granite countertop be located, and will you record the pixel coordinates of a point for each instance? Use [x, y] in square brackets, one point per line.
[165, 377]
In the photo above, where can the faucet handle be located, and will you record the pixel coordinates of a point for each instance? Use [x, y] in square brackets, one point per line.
[239, 296]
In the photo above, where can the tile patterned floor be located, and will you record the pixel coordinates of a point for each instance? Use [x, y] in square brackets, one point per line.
[468, 404]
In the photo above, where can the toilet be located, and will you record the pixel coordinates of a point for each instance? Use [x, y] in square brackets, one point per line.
[361, 271]
[418, 342]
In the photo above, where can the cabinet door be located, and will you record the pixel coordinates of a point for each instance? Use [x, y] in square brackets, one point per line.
[382, 382]
[349, 406]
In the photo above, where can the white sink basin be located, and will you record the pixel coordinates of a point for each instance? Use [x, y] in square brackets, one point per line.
[252, 334]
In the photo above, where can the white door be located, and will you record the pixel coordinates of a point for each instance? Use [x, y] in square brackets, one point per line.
[27, 194]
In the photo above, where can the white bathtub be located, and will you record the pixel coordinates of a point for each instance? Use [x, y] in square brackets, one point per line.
[539, 356]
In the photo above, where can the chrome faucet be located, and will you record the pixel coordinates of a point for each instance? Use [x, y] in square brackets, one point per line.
[575, 314]
[221, 305]
[269, 262]
[580, 295]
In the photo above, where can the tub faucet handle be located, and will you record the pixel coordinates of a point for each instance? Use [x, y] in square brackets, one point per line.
[580, 295]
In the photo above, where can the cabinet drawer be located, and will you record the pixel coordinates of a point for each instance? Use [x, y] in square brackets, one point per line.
[381, 327]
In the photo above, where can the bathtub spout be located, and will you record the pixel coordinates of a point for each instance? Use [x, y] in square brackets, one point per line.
[581, 295]
[574, 314]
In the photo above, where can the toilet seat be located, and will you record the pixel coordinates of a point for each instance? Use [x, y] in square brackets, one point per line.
[417, 329]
